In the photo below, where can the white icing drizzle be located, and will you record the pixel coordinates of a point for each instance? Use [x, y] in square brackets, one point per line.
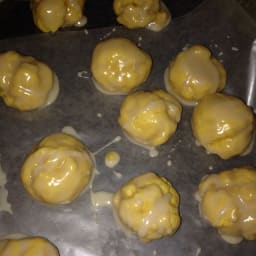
[169, 163]
[152, 151]
[115, 140]
[82, 22]
[83, 74]
[198, 251]
[101, 89]
[71, 131]
[118, 174]
[5, 206]
[153, 26]
[54, 91]
[101, 198]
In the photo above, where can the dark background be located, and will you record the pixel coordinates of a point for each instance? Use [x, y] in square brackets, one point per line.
[16, 17]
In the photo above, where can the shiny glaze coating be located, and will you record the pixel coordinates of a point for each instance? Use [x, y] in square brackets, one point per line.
[150, 118]
[118, 65]
[193, 74]
[50, 15]
[148, 206]
[151, 14]
[223, 124]
[29, 246]
[25, 83]
[58, 170]
[228, 202]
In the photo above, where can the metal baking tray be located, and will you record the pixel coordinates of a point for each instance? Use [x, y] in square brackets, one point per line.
[79, 229]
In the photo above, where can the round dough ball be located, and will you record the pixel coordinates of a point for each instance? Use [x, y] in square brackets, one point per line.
[26, 83]
[223, 125]
[151, 14]
[228, 203]
[118, 66]
[50, 15]
[58, 170]
[193, 74]
[148, 206]
[29, 246]
[150, 118]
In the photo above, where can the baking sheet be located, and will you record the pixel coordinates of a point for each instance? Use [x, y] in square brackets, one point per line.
[78, 229]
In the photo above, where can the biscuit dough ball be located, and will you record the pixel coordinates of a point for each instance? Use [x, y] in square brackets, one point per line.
[193, 74]
[150, 118]
[26, 83]
[50, 15]
[30, 246]
[223, 125]
[58, 170]
[228, 203]
[118, 66]
[151, 14]
[148, 206]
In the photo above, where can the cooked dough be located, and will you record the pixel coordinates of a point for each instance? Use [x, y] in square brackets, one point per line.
[150, 118]
[58, 170]
[228, 202]
[29, 246]
[50, 15]
[224, 125]
[151, 14]
[26, 83]
[193, 74]
[118, 66]
[148, 206]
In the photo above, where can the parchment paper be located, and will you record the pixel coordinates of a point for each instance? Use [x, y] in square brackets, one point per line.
[78, 229]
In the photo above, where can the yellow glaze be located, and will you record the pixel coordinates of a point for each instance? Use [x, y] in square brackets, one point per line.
[150, 118]
[58, 170]
[112, 158]
[118, 66]
[223, 124]
[228, 202]
[25, 83]
[193, 74]
[50, 15]
[31, 246]
[151, 14]
[148, 206]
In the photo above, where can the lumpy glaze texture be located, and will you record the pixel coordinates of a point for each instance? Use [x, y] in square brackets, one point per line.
[151, 14]
[228, 202]
[223, 124]
[50, 15]
[58, 170]
[25, 83]
[118, 66]
[29, 246]
[150, 118]
[193, 74]
[148, 206]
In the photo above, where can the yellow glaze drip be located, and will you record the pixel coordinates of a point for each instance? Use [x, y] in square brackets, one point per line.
[223, 124]
[50, 15]
[58, 170]
[150, 118]
[118, 66]
[228, 202]
[193, 74]
[25, 83]
[148, 206]
[151, 14]
[112, 158]
[29, 246]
